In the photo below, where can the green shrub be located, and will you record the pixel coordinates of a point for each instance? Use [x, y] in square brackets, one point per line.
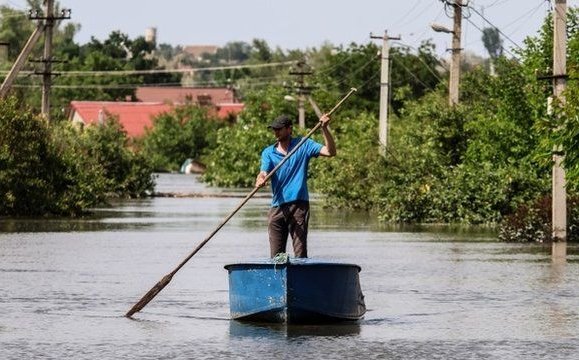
[127, 173]
[186, 132]
[61, 170]
[533, 222]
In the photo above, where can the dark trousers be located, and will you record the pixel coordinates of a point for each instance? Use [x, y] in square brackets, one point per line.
[289, 219]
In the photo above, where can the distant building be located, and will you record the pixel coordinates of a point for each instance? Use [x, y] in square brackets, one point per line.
[135, 117]
[151, 35]
[182, 95]
[197, 51]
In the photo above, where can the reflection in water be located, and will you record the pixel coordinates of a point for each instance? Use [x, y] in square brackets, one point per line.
[265, 330]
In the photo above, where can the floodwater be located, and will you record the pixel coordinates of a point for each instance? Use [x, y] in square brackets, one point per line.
[431, 293]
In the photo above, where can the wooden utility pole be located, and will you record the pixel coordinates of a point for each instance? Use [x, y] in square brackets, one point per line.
[19, 63]
[45, 25]
[453, 87]
[384, 89]
[559, 205]
[47, 60]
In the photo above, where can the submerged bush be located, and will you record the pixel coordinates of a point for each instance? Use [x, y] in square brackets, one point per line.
[60, 170]
[533, 222]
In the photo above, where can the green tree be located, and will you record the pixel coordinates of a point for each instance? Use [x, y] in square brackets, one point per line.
[187, 132]
[235, 160]
[128, 173]
[492, 42]
[43, 170]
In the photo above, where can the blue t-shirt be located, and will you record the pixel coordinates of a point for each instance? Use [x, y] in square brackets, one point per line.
[289, 183]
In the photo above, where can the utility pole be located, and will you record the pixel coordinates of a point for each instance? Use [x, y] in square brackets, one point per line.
[454, 78]
[19, 63]
[301, 89]
[384, 89]
[559, 205]
[47, 59]
[455, 61]
[4, 52]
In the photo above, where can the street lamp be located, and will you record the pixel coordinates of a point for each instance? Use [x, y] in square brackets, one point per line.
[455, 61]
[441, 28]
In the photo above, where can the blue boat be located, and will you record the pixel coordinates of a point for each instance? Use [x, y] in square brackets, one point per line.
[296, 291]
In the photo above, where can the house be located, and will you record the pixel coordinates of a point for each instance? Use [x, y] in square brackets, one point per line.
[228, 110]
[181, 95]
[197, 51]
[135, 117]
[222, 99]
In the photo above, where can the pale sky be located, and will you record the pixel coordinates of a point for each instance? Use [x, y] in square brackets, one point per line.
[301, 24]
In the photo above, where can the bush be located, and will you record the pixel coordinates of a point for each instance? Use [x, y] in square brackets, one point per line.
[235, 160]
[60, 170]
[127, 172]
[533, 223]
[188, 132]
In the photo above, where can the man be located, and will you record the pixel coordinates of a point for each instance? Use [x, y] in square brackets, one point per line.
[290, 207]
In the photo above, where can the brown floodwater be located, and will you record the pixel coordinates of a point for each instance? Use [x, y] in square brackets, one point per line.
[431, 292]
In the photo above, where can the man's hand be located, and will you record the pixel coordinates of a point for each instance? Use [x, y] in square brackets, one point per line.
[325, 119]
[260, 180]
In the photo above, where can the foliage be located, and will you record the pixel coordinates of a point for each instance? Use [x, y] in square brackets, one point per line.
[60, 171]
[236, 158]
[116, 53]
[40, 173]
[187, 131]
[412, 74]
[476, 162]
[533, 222]
[349, 179]
[472, 163]
[492, 41]
[566, 133]
[128, 173]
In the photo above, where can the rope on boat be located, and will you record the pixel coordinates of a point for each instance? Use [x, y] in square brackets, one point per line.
[280, 258]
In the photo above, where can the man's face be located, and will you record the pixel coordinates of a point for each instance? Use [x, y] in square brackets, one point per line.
[282, 133]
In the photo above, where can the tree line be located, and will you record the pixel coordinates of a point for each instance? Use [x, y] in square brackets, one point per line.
[485, 161]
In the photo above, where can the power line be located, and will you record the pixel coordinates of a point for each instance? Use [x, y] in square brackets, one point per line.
[491, 24]
[422, 61]
[411, 73]
[504, 49]
[158, 71]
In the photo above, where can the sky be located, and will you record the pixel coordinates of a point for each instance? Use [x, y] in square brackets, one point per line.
[302, 24]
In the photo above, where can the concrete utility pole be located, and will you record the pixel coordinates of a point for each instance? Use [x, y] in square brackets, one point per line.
[454, 79]
[384, 90]
[559, 205]
[455, 61]
[302, 90]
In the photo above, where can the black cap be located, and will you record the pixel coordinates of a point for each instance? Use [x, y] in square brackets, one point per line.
[281, 122]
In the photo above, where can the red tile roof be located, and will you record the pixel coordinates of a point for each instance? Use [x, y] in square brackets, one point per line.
[181, 95]
[224, 110]
[133, 116]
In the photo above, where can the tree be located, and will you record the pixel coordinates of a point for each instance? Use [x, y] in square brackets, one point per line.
[187, 132]
[492, 42]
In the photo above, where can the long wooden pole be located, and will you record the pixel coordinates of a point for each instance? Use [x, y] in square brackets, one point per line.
[167, 278]
[19, 63]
